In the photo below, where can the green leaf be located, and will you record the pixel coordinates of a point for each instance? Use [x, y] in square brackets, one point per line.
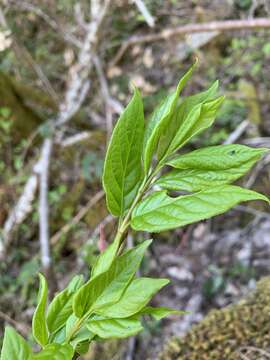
[5, 112]
[159, 212]
[75, 283]
[55, 352]
[108, 287]
[39, 326]
[58, 337]
[115, 328]
[159, 313]
[70, 323]
[211, 166]
[14, 346]
[59, 310]
[221, 157]
[136, 296]
[122, 168]
[105, 259]
[61, 307]
[159, 120]
[84, 334]
[199, 118]
[179, 117]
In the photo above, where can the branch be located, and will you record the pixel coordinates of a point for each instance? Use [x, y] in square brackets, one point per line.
[19, 212]
[22, 53]
[25, 6]
[42, 170]
[145, 12]
[77, 218]
[76, 92]
[111, 105]
[227, 25]
[236, 134]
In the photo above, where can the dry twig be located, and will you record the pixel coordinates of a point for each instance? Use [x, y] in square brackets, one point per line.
[77, 218]
[26, 6]
[235, 135]
[145, 13]
[77, 89]
[227, 25]
[42, 170]
[111, 105]
[22, 54]
[22, 328]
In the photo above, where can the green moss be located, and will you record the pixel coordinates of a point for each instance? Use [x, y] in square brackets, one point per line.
[23, 117]
[224, 332]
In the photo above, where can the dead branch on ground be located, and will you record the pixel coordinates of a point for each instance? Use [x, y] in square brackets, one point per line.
[227, 25]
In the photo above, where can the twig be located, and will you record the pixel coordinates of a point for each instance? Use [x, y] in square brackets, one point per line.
[258, 168]
[145, 12]
[111, 105]
[42, 169]
[24, 329]
[258, 141]
[235, 135]
[25, 6]
[77, 89]
[19, 212]
[227, 25]
[77, 218]
[74, 139]
[106, 95]
[130, 348]
[249, 210]
[22, 53]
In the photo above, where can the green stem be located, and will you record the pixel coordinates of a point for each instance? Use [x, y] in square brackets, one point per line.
[126, 221]
[119, 238]
[77, 325]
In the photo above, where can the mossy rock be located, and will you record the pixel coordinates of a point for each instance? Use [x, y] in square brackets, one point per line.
[30, 107]
[223, 333]
[23, 118]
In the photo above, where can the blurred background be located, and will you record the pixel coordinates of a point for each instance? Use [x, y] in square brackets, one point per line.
[66, 70]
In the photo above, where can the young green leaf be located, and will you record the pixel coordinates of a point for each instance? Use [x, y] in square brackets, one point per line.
[75, 283]
[55, 352]
[61, 307]
[107, 288]
[159, 212]
[137, 295]
[159, 121]
[122, 168]
[179, 116]
[105, 259]
[221, 157]
[211, 166]
[39, 326]
[84, 334]
[58, 337]
[197, 120]
[59, 310]
[115, 328]
[14, 346]
[159, 313]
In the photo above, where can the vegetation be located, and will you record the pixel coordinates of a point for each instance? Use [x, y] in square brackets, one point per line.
[111, 303]
[67, 71]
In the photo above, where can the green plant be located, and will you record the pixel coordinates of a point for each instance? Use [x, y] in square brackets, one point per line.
[111, 303]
